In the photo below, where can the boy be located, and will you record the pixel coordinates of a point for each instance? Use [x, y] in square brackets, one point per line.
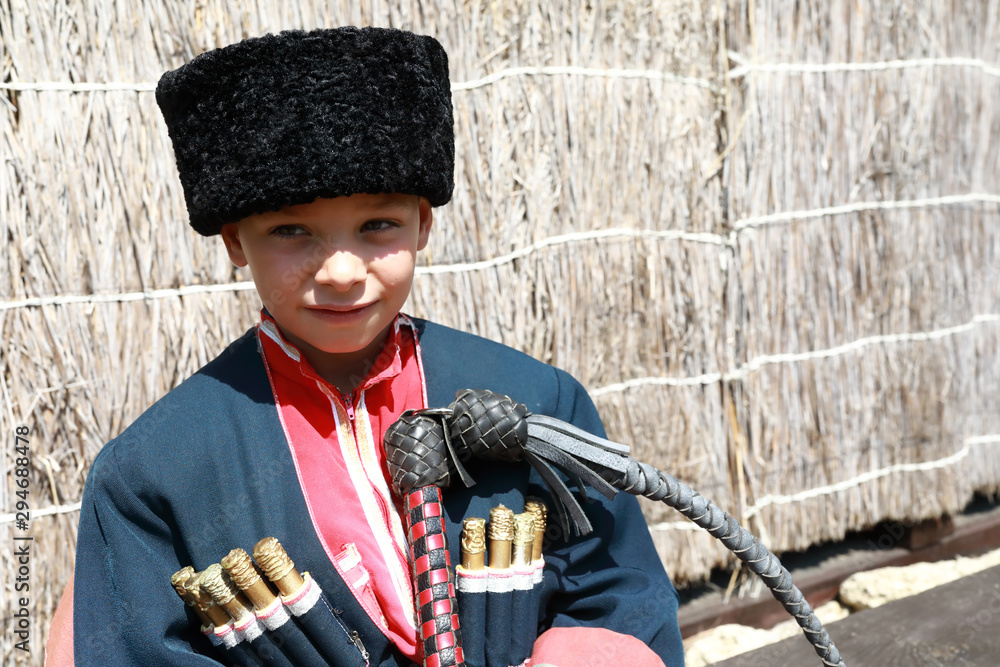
[318, 158]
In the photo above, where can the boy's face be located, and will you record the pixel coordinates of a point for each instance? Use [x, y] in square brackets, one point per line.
[335, 272]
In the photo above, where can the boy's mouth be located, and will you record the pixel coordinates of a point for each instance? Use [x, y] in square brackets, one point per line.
[339, 309]
[338, 312]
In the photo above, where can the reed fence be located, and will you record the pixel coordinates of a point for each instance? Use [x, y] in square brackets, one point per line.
[765, 236]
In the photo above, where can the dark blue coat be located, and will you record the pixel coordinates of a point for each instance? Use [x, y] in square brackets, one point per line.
[207, 469]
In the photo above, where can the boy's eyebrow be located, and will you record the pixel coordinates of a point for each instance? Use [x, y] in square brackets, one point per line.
[386, 202]
[382, 203]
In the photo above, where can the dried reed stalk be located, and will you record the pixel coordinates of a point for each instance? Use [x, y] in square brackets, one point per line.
[90, 204]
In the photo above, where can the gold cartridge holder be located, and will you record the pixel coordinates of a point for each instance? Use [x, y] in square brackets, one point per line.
[203, 601]
[180, 581]
[243, 571]
[501, 534]
[218, 584]
[540, 512]
[524, 538]
[474, 544]
[277, 566]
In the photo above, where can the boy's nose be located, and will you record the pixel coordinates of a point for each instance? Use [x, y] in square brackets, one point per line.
[341, 270]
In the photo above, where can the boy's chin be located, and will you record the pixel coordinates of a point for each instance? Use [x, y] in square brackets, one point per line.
[316, 342]
[353, 348]
[335, 351]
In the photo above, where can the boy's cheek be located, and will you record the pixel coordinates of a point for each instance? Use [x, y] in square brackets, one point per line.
[276, 298]
[307, 266]
[291, 280]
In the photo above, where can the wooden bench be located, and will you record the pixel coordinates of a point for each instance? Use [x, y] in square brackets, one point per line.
[954, 624]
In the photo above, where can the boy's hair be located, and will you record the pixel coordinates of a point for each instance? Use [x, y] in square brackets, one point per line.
[285, 119]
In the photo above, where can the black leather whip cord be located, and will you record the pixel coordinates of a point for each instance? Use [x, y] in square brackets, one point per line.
[645, 480]
[492, 426]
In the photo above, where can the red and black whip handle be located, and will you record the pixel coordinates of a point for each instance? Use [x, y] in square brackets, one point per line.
[434, 587]
[417, 452]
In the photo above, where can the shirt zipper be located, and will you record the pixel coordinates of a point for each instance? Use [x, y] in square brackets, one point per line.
[348, 400]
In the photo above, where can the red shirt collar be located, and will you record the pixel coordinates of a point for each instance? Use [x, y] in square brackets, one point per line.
[294, 364]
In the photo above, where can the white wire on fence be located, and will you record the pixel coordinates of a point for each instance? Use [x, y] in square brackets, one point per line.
[744, 371]
[577, 237]
[562, 239]
[552, 241]
[847, 484]
[45, 511]
[746, 67]
[752, 511]
[510, 72]
[148, 295]
[858, 207]
[71, 87]
[917, 336]
[610, 73]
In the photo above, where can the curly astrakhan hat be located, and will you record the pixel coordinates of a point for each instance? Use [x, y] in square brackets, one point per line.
[284, 119]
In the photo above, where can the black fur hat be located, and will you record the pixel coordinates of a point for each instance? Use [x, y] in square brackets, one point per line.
[284, 119]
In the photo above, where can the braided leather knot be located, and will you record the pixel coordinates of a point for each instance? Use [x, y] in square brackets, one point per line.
[416, 453]
[492, 426]
[480, 422]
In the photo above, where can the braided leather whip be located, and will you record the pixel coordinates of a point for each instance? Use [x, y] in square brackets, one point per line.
[417, 448]
[492, 426]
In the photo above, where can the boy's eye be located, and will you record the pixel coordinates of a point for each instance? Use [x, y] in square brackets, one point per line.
[378, 225]
[287, 231]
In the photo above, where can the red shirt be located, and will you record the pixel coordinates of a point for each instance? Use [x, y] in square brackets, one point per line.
[336, 444]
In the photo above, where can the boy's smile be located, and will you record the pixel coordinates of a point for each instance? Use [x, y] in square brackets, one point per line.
[334, 273]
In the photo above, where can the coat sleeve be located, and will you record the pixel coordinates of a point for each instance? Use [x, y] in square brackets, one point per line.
[613, 578]
[125, 611]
